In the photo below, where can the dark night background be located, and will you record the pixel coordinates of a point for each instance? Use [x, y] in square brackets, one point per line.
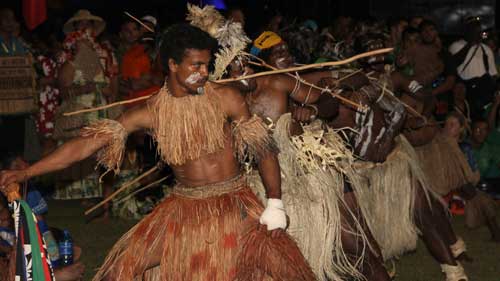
[447, 13]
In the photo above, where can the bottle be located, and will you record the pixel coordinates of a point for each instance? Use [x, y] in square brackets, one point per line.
[50, 242]
[66, 249]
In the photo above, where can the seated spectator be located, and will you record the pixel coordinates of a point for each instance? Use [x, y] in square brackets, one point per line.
[486, 153]
[480, 208]
[39, 207]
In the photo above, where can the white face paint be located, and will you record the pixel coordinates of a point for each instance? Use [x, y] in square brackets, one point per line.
[367, 128]
[194, 78]
[364, 121]
[380, 134]
[244, 81]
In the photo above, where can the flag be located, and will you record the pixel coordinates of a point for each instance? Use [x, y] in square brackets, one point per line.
[34, 12]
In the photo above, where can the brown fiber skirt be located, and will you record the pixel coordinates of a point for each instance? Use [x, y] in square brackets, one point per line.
[206, 233]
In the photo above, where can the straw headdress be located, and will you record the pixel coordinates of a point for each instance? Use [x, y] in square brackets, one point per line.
[230, 35]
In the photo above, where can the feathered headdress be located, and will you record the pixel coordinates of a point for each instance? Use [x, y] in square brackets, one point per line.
[230, 35]
[233, 41]
[207, 18]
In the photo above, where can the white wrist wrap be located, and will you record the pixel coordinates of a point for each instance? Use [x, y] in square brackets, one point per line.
[274, 216]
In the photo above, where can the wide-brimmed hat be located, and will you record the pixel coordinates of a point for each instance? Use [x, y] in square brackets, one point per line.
[99, 23]
[150, 19]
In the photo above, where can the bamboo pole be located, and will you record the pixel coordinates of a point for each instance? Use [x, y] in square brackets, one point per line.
[139, 21]
[123, 187]
[143, 188]
[292, 69]
[345, 100]
[108, 105]
[309, 66]
[410, 109]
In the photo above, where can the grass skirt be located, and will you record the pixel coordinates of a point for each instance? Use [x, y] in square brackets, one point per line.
[313, 197]
[388, 195]
[445, 165]
[206, 233]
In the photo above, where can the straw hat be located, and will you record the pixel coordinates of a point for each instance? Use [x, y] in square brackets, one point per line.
[84, 15]
[150, 19]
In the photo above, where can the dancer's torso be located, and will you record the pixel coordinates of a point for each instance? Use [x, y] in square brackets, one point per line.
[210, 168]
[270, 104]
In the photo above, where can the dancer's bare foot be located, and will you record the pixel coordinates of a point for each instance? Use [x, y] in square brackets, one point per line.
[70, 272]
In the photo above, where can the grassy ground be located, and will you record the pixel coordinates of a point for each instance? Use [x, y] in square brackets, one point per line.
[96, 238]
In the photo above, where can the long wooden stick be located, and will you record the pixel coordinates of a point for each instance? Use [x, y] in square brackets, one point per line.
[293, 69]
[345, 100]
[108, 105]
[143, 188]
[139, 21]
[309, 66]
[263, 63]
[392, 95]
[123, 187]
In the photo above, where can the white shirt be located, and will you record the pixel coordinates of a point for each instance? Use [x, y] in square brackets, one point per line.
[476, 66]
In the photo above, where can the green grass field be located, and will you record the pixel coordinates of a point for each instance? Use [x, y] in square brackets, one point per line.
[96, 238]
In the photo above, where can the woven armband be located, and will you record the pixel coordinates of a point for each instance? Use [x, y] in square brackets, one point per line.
[111, 155]
[252, 139]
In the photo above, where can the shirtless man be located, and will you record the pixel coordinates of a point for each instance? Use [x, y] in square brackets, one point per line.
[271, 97]
[378, 129]
[212, 200]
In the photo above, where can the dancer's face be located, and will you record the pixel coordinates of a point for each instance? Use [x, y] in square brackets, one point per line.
[238, 68]
[192, 72]
[376, 62]
[280, 56]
